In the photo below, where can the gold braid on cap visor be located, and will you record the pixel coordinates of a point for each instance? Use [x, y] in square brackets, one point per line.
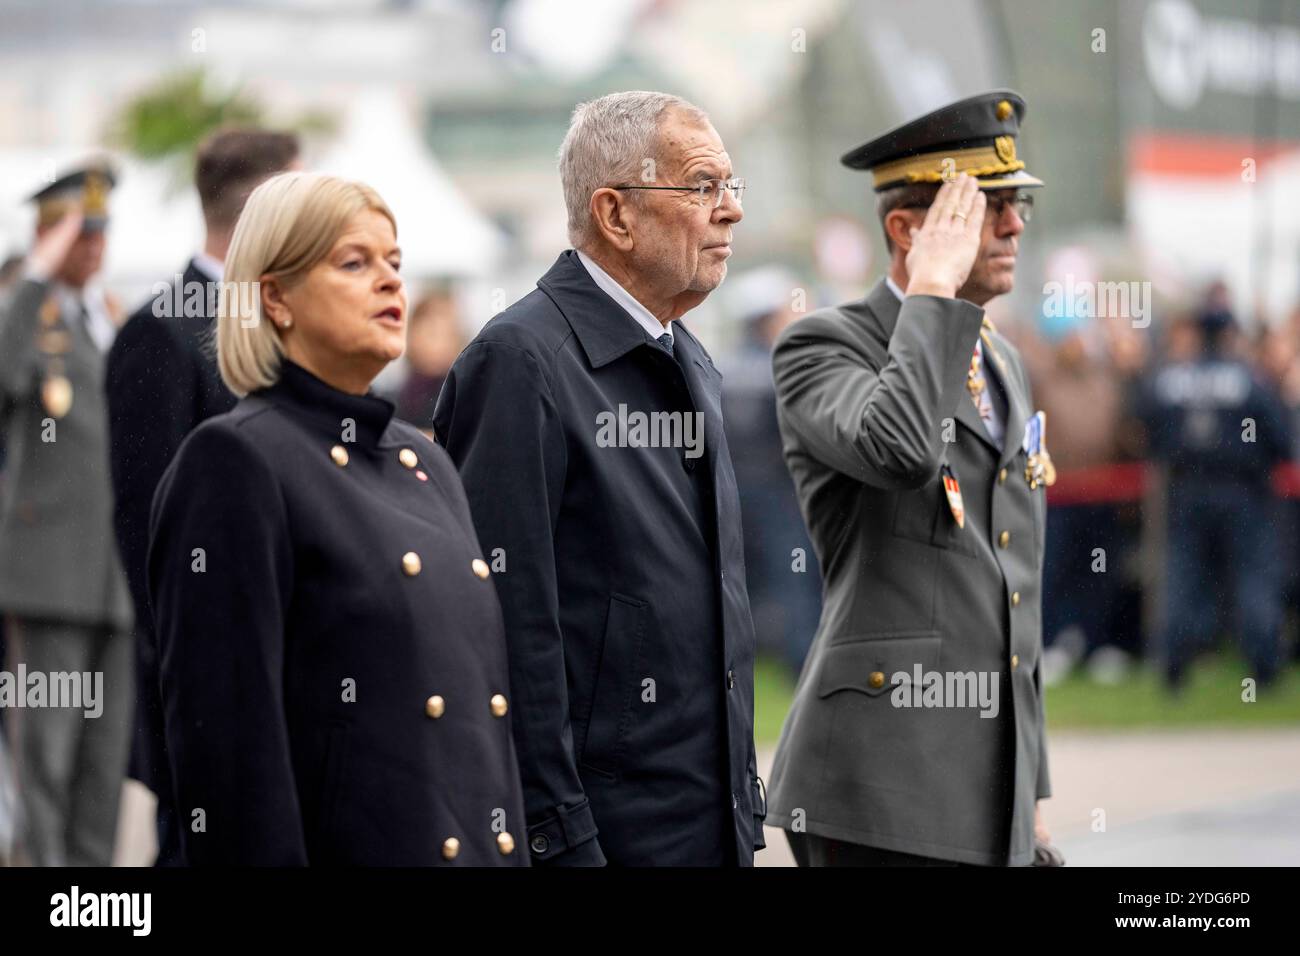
[977, 161]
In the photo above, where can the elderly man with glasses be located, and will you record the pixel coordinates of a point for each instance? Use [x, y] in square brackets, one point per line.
[586, 424]
[917, 734]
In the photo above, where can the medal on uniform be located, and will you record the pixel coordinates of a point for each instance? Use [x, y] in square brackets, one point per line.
[53, 341]
[56, 394]
[50, 312]
[1039, 469]
[953, 491]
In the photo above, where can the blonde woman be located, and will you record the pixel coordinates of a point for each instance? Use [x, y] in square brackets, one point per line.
[332, 654]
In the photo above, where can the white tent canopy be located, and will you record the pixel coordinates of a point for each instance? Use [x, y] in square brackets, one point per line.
[155, 227]
[440, 233]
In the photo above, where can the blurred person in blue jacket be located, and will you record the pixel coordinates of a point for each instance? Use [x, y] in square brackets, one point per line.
[1221, 431]
[783, 577]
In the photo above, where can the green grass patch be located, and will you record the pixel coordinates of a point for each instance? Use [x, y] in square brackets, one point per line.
[1211, 697]
[773, 692]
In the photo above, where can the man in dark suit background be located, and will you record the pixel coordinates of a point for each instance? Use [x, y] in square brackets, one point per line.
[587, 426]
[161, 382]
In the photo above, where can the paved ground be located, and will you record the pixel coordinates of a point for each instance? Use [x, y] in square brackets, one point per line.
[1175, 798]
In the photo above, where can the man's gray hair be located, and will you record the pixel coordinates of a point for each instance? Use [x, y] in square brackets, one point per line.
[608, 144]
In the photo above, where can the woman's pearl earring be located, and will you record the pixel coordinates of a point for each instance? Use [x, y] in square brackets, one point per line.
[286, 323]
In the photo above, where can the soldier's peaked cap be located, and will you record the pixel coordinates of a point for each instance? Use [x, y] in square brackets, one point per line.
[976, 135]
[85, 188]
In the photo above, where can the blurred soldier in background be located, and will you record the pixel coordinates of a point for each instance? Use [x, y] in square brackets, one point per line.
[1221, 431]
[162, 381]
[61, 586]
[781, 569]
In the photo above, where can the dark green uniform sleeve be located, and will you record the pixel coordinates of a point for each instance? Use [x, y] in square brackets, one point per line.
[878, 425]
[19, 320]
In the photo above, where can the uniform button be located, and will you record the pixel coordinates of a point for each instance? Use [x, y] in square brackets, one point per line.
[735, 803]
[1004, 539]
[450, 848]
[540, 843]
[411, 564]
[340, 455]
[435, 706]
[1015, 661]
[480, 568]
[1015, 599]
[1002, 476]
[498, 705]
[407, 458]
[688, 464]
[731, 679]
[505, 843]
[877, 679]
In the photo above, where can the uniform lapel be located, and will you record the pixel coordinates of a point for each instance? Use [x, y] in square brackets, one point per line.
[1017, 412]
[882, 301]
[969, 416]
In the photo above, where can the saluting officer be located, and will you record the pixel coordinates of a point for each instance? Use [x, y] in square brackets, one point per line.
[916, 736]
[61, 586]
[333, 658]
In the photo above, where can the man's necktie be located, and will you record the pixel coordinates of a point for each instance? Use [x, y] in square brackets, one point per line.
[666, 341]
[976, 383]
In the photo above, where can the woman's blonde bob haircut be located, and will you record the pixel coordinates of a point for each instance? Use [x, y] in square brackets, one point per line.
[289, 225]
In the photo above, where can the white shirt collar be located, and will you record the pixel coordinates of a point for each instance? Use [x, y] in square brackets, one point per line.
[644, 317]
[210, 266]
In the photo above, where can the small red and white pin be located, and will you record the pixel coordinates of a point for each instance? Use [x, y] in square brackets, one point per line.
[953, 490]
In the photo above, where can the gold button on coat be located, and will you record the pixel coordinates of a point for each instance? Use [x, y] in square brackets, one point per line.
[411, 564]
[498, 704]
[1004, 539]
[877, 679]
[435, 706]
[1002, 476]
[1015, 598]
[450, 848]
[407, 458]
[505, 843]
[481, 568]
[1015, 661]
[340, 455]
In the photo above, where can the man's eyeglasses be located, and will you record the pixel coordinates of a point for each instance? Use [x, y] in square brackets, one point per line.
[1022, 202]
[709, 190]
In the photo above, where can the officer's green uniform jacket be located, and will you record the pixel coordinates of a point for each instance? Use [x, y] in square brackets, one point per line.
[872, 402]
[58, 556]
